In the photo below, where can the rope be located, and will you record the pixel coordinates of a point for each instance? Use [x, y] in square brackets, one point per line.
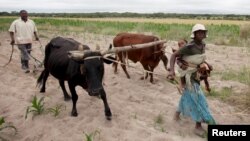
[39, 63]
[41, 48]
[176, 83]
[127, 57]
[133, 67]
[12, 50]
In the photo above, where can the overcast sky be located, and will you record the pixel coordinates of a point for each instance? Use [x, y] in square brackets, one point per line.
[140, 6]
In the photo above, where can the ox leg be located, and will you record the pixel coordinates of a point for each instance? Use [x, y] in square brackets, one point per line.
[44, 76]
[164, 59]
[107, 111]
[115, 64]
[150, 69]
[151, 74]
[74, 98]
[66, 95]
[207, 85]
[146, 67]
[125, 69]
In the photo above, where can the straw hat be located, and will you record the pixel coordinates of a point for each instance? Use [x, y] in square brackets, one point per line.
[197, 27]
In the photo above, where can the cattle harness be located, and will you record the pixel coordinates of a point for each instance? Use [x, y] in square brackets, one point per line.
[144, 71]
[80, 48]
[125, 48]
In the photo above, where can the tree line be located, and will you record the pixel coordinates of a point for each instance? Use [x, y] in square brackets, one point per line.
[135, 15]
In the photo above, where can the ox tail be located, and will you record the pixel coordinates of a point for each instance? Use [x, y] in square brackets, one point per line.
[42, 75]
[40, 79]
[47, 53]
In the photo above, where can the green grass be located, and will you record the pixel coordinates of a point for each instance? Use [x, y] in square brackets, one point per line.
[242, 100]
[56, 110]
[4, 125]
[37, 107]
[224, 34]
[242, 76]
[92, 135]
[159, 123]
[159, 119]
[223, 94]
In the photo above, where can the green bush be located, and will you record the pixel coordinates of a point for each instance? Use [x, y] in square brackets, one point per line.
[36, 108]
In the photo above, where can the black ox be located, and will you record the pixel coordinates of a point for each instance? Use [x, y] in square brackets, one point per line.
[87, 72]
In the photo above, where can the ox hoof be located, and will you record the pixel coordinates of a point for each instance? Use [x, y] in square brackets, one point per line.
[74, 114]
[42, 91]
[208, 90]
[108, 117]
[142, 78]
[67, 98]
[152, 82]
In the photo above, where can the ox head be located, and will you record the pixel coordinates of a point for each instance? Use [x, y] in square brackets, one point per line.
[92, 68]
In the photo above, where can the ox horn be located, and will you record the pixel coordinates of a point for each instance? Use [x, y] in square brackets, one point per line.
[133, 47]
[77, 54]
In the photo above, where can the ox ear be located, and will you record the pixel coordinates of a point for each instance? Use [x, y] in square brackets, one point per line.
[78, 55]
[108, 60]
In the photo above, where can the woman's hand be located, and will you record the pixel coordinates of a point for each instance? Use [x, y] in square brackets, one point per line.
[182, 64]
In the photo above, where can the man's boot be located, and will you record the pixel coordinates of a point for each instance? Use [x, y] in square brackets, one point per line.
[26, 63]
[23, 64]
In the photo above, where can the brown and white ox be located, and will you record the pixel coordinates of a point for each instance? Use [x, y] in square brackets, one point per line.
[148, 57]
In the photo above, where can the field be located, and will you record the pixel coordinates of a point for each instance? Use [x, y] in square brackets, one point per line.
[221, 32]
[141, 111]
